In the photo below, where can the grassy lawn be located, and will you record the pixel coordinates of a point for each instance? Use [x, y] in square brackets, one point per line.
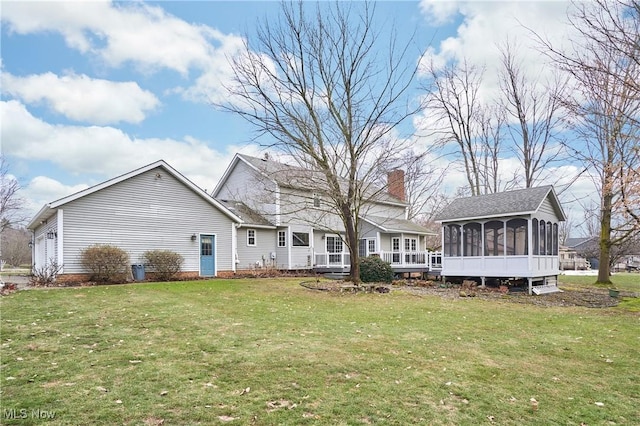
[622, 281]
[270, 352]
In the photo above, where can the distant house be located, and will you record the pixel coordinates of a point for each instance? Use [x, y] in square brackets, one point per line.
[300, 229]
[153, 207]
[573, 253]
[504, 236]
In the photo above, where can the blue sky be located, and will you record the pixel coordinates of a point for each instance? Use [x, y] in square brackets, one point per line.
[91, 90]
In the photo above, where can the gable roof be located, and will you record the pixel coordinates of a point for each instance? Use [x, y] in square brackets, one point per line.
[397, 225]
[249, 216]
[577, 242]
[49, 209]
[509, 203]
[288, 176]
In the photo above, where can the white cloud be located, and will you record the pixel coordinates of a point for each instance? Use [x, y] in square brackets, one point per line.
[41, 190]
[83, 98]
[131, 33]
[438, 11]
[107, 151]
[486, 26]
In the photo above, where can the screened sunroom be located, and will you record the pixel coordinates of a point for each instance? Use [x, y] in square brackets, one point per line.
[508, 236]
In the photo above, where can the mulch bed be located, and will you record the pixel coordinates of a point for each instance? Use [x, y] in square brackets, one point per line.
[592, 298]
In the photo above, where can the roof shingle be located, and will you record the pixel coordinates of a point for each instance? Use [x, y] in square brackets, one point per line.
[521, 201]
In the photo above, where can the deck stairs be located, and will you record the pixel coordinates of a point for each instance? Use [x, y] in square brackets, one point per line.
[550, 286]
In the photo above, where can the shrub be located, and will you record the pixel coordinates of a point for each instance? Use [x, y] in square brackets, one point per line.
[375, 270]
[165, 263]
[45, 276]
[106, 263]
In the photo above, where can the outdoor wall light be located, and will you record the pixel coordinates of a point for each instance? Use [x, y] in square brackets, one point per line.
[193, 237]
[30, 244]
[51, 235]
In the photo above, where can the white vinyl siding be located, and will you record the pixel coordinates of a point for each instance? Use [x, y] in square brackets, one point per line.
[301, 256]
[391, 211]
[142, 213]
[247, 185]
[259, 255]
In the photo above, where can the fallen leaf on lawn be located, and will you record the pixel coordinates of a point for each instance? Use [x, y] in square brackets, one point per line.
[226, 418]
[491, 419]
[135, 361]
[308, 416]
[282, 403]
[153, 421]
[118, 401]
[244, 391]
[164, 392]
[534, 404]
[101, 389]
[600, 404]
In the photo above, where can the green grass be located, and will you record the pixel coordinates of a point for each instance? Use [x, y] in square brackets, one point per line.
[270, 352]
[623, 281]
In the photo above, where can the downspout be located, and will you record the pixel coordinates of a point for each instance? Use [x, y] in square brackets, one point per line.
[234, 246]
[32, 246]
[60, 240]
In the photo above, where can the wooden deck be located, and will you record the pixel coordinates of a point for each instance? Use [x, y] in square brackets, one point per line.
[401, 262]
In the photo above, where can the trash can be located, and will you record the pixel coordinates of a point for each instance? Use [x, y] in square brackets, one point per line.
[138, 272]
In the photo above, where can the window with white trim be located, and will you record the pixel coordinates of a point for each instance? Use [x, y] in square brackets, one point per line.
[410, 244]
[251, 237]
[395, 247]
[282, 238]
[300, 239]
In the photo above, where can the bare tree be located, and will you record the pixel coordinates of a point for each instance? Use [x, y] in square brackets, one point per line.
[492, 121]
[605, 105]
[564, 230]
[537, 110]
[11, 205]
[322, 86]
[452, 97]
[422, 183]
[15, 246]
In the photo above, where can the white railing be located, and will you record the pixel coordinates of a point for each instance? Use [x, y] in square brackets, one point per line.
[332, 260]
[401, 259]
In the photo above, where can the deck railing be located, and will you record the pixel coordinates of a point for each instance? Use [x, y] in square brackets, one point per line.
[425, 259]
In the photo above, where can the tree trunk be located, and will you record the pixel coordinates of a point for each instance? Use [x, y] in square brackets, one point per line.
[605, 240]
[352, 243]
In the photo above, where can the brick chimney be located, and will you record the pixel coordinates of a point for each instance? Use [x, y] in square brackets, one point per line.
[395, 184]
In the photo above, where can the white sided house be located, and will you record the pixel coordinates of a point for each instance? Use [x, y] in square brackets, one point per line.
[505, 236]
[153, 207]
[302, 224]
